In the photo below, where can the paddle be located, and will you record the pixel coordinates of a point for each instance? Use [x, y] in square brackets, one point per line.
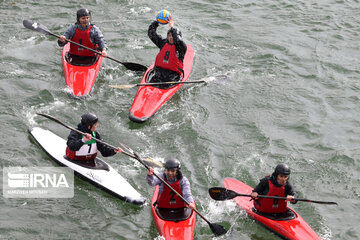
[148, 161]
[42, 29]
[221, 194]
[167, 83]
[217, 229]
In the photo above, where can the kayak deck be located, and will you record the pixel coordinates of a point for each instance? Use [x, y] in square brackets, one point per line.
[80, 79]
[149, 99]
[293, 229]
[177, 228]
[101, 175]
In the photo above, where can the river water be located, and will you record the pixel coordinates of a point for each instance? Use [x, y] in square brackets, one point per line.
[291, 95]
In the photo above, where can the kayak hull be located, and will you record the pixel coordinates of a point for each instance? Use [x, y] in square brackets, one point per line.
[80, 79]
[102, 176]
[149, 99]
[171, 230]
[294, 229]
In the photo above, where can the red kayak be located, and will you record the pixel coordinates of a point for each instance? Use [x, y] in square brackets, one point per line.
[177, 224]
[149, 99]
[80, 76]
[292, 226]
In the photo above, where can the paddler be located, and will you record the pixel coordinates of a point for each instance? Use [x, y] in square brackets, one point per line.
[84, 33]
[83, 148]
[276, 184]
[167, 199]
[169, 61]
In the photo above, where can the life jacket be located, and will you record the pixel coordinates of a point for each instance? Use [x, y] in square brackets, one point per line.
[167, 59]
[88, 151]
[268, 205]
[169, 199]
[82, 37]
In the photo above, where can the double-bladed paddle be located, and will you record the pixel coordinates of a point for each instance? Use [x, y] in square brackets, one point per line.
[148, 161]
[221, 194]
[42, 29]
[167, 83]
[217, 229]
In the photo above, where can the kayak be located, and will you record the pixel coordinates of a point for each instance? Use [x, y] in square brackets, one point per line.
[149, 99]
[173, 224]
[102, 175]
[291, 226]
[81, 77]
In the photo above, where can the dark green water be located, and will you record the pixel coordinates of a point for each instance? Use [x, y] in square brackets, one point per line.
[292, 95]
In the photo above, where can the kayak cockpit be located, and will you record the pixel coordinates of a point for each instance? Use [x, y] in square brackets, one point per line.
[288, 215]
[96, 164]
[173, 214]
[81, 60]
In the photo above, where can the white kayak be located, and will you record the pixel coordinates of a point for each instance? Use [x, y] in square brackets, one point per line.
[101, 175]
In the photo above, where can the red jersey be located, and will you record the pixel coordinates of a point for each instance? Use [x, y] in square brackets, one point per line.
[82, 37]
[167, 59]
[268, 205]
[169, 199]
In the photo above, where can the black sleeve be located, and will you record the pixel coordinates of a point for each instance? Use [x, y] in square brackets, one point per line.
[263, 187]
[155, 38]
[105, 150]
[179, 43]
[289, 190]
[74, 141]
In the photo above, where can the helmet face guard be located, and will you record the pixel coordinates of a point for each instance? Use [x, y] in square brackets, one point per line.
[82, 13]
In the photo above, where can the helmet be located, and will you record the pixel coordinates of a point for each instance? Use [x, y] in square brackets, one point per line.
[282, 168]
[172, 164]
[82, 12]
[88, 119]
[176, 30]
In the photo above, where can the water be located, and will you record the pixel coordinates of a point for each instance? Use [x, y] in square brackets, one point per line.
[291, 95]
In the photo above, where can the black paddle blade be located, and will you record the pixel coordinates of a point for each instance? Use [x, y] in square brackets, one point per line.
[221, 194]
[135, 67]
[217, 229]
[36, 26]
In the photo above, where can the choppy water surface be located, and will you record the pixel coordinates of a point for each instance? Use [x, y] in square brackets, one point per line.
[292, 95]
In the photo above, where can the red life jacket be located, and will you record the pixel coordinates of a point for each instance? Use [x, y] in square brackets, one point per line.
[169, 199]
[82, 37]
[167, 59]
[268, 205]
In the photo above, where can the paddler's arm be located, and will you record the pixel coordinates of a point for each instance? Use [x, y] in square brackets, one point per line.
[69, 34]
[151, 179]
[97, 37]
[75, 141]
[154, 37]
[105, 150]
[290, 193]
[186, 192]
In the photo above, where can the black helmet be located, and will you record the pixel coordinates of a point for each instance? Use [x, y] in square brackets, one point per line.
[172, 164]
[282, 168]
[82, 12]
[88, 119]
[174, 29]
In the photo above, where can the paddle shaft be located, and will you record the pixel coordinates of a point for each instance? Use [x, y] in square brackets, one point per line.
[229, 194]
[43, 29]
[172, 189]
[166, 83]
